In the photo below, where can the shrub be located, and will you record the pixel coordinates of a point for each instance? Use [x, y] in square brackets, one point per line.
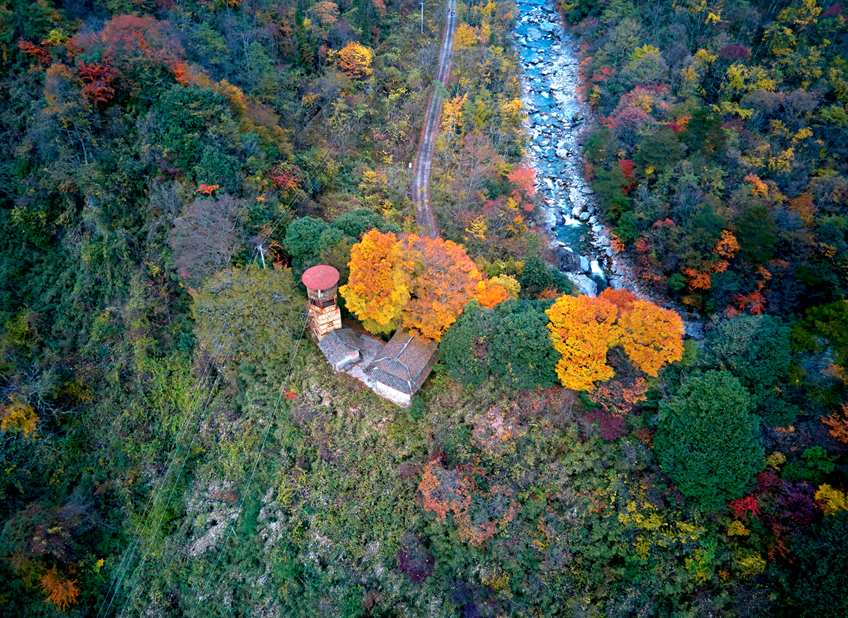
[816, 579]
[756, 349]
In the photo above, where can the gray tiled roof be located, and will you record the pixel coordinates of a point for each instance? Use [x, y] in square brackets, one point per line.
[339, 343]
[406, 362]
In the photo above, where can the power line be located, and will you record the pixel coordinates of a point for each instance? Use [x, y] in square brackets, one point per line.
[155, 529]
[258, 456]
[130, 551]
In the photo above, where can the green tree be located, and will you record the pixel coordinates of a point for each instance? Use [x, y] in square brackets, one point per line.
[522, 353]
[250, 316]
[704, 133]
[465, 346]
[303, 239]
[609, 183]
[660, 150]
[538, 277]
[757, 234]
[706, 439]
[757, 350]
[187, 118]
[356, 222]
[825, 327]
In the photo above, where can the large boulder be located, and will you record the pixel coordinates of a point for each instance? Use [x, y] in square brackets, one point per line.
[584, 284]
[534, 34]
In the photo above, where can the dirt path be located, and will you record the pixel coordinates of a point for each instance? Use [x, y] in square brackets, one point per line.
[423, 161]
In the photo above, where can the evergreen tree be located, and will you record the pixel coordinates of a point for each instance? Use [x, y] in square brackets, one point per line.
[707, 440]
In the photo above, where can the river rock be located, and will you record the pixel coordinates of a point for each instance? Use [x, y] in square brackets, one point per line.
[583, 284]
[566, 259]
[547, 27]
[584, 216]
[597, 229]
[534, 34]
[693, 329]
[585, 266]
[587, 191]
[593, 220]
[575, 212]
[562, 153]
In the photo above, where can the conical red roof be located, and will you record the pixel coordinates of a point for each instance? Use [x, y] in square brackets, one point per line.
[320, 277]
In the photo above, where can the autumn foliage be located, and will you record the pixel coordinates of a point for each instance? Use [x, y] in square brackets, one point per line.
[619, 398]
[489, 294]
[581, 331]
[18, 417]
[742, 506]
[379, 284]
[838, 423]
[465, 37]
[584, 328]
[59, 590]
[650, 336]
[354, 60]
[418, 282]
[478, 515]
[445, 280]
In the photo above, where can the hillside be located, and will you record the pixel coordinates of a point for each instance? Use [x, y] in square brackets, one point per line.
[174, 443]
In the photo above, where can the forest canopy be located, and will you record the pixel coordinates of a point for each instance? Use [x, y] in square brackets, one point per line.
[173, 442]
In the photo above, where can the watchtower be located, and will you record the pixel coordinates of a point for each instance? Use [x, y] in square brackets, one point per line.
[322, 287]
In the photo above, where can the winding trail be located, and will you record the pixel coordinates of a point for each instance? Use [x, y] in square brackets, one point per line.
[423, 161]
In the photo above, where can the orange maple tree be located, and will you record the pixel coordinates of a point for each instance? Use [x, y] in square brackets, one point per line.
[489, 294]
[727, 246]
[838, 423]
[617, 397]
[418, 282]
[446, 279]
[584, 328]
[478, 515]
[445, 491]
[59, 590]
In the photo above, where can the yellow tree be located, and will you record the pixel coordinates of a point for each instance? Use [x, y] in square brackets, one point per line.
[379, 283]
[584, 328]
[354, 60]
[18, 417]
[465, 37]
[650, 336]
[581, 331]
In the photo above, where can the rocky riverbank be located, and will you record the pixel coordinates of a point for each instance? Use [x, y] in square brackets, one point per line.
[558, 125]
